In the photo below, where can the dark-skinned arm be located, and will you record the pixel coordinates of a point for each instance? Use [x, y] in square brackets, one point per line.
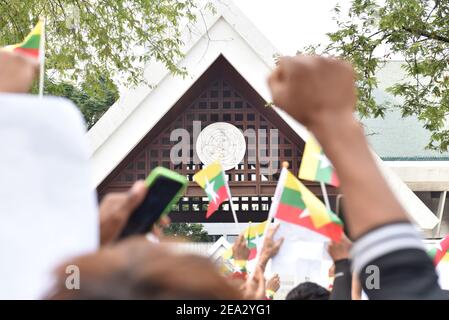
[320, 93]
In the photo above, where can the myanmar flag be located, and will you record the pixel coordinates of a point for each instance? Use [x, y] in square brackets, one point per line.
[212, 180]
[253, 235]
[441, 252]
[31, 45]
[296, 204]
[315, 166]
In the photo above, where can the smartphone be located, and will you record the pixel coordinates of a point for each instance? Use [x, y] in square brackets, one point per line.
[165, 187]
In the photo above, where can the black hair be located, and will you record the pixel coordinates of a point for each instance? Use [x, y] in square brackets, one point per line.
[308, 291]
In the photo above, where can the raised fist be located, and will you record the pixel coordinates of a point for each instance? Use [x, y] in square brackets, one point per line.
[312, 88]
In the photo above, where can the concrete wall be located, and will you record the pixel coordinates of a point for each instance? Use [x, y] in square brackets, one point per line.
[431, 200]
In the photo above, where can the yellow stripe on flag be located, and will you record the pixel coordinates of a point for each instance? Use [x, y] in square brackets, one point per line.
[207, 174]
[256, 230]
[317, 209]
[310, 159]
[445, 258]
[227, 254]
[36, 31]
[292, 182]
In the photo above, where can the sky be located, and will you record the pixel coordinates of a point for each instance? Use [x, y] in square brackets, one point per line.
[292, 24]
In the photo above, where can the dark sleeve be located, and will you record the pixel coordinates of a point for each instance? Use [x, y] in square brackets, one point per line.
[392, 263]
[342, 287]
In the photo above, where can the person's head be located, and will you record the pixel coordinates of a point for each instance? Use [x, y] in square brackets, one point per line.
[308, 291]
[137, 269]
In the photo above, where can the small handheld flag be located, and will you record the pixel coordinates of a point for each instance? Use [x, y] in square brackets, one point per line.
[212, 180]
[440, 252]
[315, 166]
[34, 46]
[30, 46]
[253, 235]
[298, 205]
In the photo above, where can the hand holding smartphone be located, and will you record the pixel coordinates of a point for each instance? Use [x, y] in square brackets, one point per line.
[165, 187]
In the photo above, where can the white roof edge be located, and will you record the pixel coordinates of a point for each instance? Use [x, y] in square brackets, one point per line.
[221, 242]
[155, 72]
[418, 164]
[416, 209]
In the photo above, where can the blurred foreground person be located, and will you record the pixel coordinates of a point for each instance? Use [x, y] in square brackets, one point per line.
[239, 273]
[137, 269]
[308, 291]
[48, 209]
[17, 72]
[388, 253]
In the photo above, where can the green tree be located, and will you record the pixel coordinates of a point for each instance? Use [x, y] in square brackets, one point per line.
[191, 231]
[89, 40]
[415, 30]
[92, 106]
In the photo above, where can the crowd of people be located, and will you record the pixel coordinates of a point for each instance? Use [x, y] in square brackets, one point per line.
[320, 93]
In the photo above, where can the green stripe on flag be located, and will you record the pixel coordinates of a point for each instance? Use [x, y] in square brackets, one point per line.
[292, 198]
[334, 218]
[323, 174]
[32, 43]
[432, 252]
[218, 181]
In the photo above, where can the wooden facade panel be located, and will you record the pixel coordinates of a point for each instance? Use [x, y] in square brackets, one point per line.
[220, 95]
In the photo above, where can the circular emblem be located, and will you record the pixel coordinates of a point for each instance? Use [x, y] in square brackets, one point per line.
[223, 142]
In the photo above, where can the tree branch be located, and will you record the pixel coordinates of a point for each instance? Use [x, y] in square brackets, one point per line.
[426, 34]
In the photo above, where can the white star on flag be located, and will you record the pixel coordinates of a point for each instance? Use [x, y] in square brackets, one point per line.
[238, 268]
[257, 241]
[210, 191]
[304, 213]
[325, 163]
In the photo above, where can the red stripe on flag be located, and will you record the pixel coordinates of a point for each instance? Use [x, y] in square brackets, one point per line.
[252, 253]
[439, 254]
[222, 196]
[28, 52]
[332, 230]
[334, 179]
[291, 214]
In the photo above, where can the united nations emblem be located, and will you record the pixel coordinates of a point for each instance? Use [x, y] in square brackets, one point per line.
[222, 142]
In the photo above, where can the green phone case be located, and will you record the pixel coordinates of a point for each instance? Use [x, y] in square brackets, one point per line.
[164, 172]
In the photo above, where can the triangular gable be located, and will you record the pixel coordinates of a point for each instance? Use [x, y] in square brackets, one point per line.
[219, 95]
[226, 32]
[216, 249]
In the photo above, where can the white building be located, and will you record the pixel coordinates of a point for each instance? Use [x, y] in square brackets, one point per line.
[228, 61]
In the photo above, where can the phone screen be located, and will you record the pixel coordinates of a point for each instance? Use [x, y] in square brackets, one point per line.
[159, 195]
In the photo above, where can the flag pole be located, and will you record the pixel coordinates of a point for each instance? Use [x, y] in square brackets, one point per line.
[42, 60]
[233, 211]
[273, 208]
[325, 196]
[249, 234]
[230, 200]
